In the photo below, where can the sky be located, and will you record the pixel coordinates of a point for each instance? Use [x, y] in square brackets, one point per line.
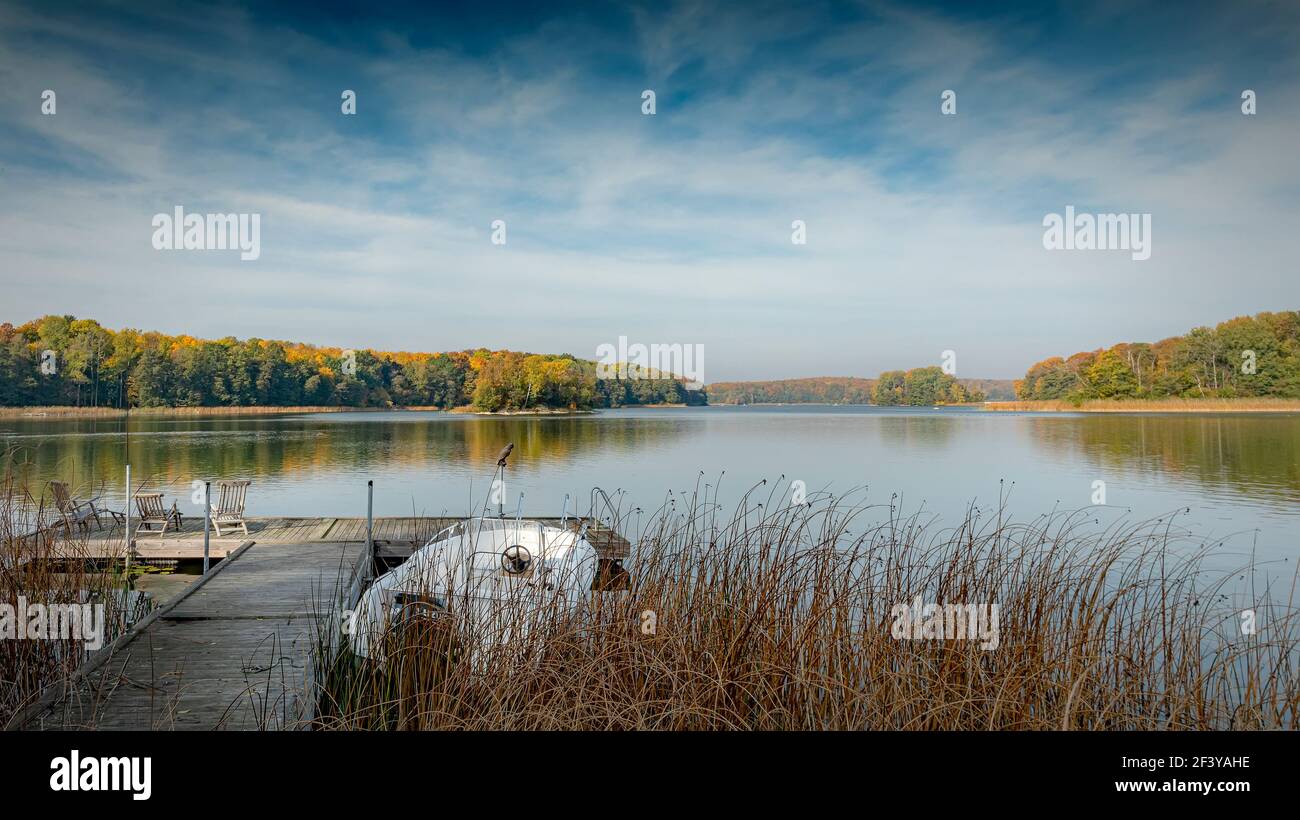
[924, 231]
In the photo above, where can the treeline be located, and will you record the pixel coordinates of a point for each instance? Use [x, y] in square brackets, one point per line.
[1240, 358]
[823, 390]
[62, 360]
[993, 389]
[848, 390]
[921, 386]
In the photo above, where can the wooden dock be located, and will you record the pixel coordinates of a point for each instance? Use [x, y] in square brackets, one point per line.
[233, 651]
[396, 535]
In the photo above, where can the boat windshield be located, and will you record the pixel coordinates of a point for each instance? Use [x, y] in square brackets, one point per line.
[493, 528]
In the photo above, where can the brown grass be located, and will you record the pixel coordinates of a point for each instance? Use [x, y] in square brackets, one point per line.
[1255, 405]
[48, 566]
[780, 618]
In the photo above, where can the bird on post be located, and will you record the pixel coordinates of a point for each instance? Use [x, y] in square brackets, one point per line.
[504, 454]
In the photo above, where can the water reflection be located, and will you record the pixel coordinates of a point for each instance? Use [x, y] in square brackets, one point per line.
[172, 452]
[1235, 472]
[1252, 455]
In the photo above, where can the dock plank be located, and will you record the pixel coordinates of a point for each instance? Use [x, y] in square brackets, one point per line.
[107, 543]
[231, 655]
[233, 650]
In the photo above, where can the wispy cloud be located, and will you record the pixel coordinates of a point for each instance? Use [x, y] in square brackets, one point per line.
[924, 231]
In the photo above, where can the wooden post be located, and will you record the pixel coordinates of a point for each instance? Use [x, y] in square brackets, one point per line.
[127, 523]
[207, 521]
[370, 517]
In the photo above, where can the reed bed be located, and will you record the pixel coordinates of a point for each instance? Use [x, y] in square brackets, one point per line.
[41, 563]
[782, 617]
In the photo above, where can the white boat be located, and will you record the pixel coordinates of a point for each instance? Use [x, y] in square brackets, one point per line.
[501, 575]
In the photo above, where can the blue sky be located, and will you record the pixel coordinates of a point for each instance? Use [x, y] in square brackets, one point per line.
[924, 231]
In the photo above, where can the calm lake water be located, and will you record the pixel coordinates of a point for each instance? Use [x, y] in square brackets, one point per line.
[1238, 474]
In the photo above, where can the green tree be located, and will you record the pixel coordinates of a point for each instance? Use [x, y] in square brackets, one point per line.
[890, 388]
[1110, 377]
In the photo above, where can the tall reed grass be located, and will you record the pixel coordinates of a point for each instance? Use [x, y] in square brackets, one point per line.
[42, 563]
[781, 617]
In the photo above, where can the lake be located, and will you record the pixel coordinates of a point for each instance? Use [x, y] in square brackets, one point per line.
[1237, 475]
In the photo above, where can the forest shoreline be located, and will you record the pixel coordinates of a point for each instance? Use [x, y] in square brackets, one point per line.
[1240, 405]
[267, 410]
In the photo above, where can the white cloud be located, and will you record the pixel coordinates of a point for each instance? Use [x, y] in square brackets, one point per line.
[923, 231]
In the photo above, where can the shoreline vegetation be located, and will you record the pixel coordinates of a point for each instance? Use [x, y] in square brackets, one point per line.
[36, 569]
[835, 615]
[1209, 405]
[1249, 357]
[1138, 406]
[58, 361]
[922, 386]
[138, 412]
[62, 366]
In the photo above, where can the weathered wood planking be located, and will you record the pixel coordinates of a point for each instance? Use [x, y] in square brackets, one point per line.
[107, 543]
[231, 654]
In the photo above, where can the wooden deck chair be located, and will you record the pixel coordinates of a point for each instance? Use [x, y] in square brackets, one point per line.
[229, 509]
[73, 510]
[153, 514]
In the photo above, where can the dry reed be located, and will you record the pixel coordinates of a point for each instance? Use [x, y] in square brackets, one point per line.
[44, 563]
[780, 617]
